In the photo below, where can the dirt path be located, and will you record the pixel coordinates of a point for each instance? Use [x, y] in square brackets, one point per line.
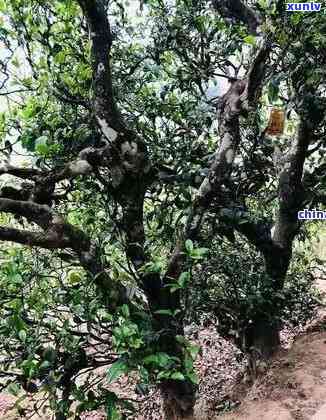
[294, 387]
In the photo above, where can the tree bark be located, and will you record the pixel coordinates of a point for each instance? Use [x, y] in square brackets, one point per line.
[265, 338]
[178, 399]
[262, 340]
[178, 396]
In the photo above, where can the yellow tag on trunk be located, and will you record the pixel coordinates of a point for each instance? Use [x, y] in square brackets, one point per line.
[276, 122]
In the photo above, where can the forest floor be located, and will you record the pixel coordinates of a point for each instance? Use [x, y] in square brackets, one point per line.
[294, 386]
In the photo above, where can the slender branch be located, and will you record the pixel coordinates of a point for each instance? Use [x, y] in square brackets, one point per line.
[15, 91]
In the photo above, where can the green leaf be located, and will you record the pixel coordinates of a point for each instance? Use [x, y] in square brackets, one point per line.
[200, 23]
[273, 91]
[178, 376]
[126, 331]
[50, 354]
[125, 311]
[22, 335]
[13, 389]
[15, 62]
[189, 245]
[193, 378]
[150, 359]
[199, 253]
[164, 312]
[296, 18]
[74, 277]
[41, 145]
[18, 323]
[111, 407]
[182, 340]
[45, 365]
[163, 359]
[188, 363]
[202, 251]
[142, 388]
[112, 412]
[16, 278]
[159, 359]
[60, 57]
[2, 6]
[117, 369]
[262, 4]
[183, 279]
[250, 39]
[193, 350]
[163, 375]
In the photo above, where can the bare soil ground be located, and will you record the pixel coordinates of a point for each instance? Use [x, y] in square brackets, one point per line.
[294, 387]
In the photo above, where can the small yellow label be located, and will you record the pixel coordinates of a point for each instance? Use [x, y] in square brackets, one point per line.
[276, 122]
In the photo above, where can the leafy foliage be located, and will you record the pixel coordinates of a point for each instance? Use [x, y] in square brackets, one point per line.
[234, 288]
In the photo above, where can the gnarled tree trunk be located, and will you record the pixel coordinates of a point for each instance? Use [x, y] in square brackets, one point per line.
[262, 340]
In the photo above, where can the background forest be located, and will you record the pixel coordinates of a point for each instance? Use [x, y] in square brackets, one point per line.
[143, 195]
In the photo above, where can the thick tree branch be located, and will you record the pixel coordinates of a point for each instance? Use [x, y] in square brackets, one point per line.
[106, 111]
[230, 108]
[241, 95]
[257, 74]
[40, 214]
[125, 155]
[238, 11]
[277, 248]
[291, 193]
[23, 173]
[258, 233]
[130, 151]
[29, 238]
